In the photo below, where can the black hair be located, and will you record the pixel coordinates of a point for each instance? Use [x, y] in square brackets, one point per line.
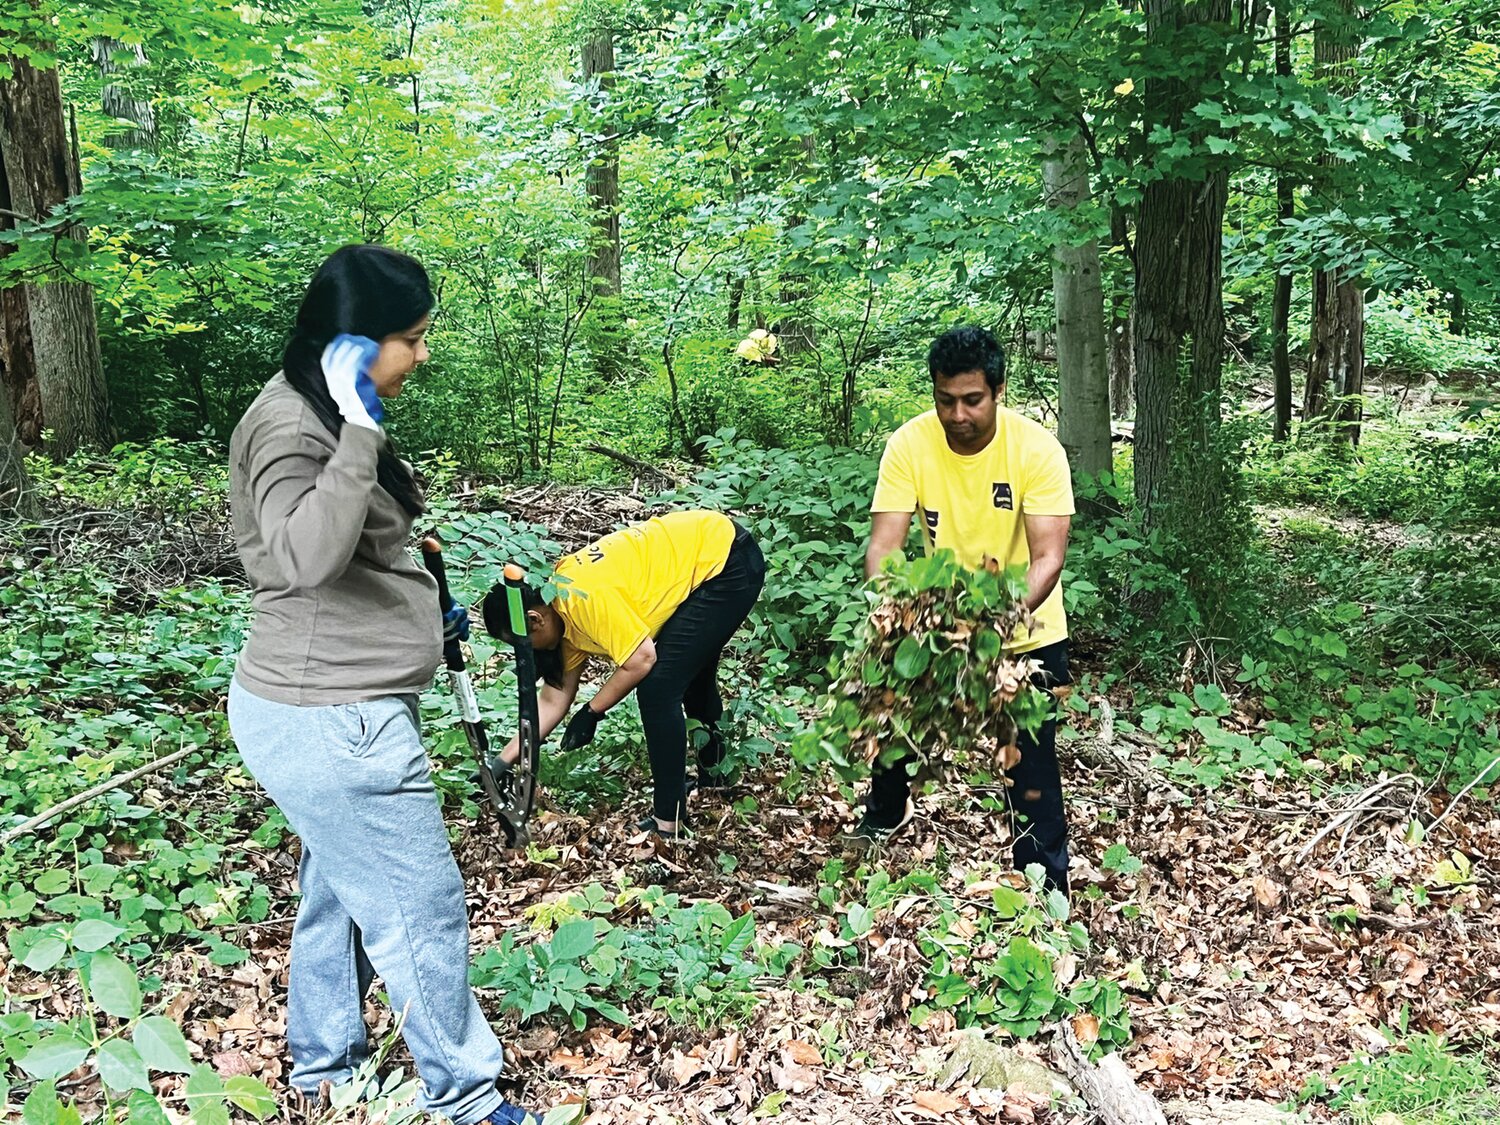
[367, 291]
[969, 348]
[549, 664]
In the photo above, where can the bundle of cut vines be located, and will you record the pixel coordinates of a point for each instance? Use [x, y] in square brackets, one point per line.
[928, 679]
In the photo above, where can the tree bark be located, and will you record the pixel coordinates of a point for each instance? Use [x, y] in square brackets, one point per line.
[1336, 359]
[119, 102]
[48, 332]
[1179, 312]
[1458, 323]
[15, 487]
[602, 177]
[794, 329]
[1078, 295]
[1281, 297]
[1121, 329]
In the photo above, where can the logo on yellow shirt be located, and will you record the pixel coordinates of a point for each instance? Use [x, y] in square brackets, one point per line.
[931, 519]
[1003, 498]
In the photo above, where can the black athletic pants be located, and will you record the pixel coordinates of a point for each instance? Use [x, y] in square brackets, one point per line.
[683, 683]
[1036, 799]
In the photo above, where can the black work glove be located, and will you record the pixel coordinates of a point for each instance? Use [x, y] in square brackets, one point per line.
[581, 728]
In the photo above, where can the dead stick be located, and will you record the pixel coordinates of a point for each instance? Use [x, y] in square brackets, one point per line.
[89, 794]
[634, 462]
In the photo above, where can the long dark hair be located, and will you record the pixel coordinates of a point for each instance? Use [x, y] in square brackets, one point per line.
[365, 291]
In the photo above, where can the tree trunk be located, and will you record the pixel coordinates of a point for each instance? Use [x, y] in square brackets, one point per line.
[1078, 294]
[1281, 358]
[1458, 323]
[602, 177]
[48, 333]
[1281, 297]
[1179, 311]
[1336, 359]
[736, 299]
[1121, 329]
[1336, 368]
[119, 102]
[794, 329]
[15, 488]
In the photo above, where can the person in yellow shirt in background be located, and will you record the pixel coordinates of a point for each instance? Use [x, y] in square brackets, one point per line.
[986, 483]
[659, 599]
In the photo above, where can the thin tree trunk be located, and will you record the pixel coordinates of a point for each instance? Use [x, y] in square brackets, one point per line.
[1281, 358]
[1281, 297]
[1336, 360]
[49, 331]
[1458, 323]
[118, 102]
[602, 177]
[794, 329]
[1121, 329]
[1078, 294]
[736, 299]
[15, 487]
[1179, 313]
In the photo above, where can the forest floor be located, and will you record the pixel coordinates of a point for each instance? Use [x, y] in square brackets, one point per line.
[1254, 956]
[1253, 969]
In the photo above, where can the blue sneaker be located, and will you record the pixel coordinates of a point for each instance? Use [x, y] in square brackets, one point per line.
[508, 1114]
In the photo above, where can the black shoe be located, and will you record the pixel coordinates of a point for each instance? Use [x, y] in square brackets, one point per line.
[649, 824]
[869, 830]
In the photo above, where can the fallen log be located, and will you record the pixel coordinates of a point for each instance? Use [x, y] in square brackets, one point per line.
[636, 463]
[1107, 1087]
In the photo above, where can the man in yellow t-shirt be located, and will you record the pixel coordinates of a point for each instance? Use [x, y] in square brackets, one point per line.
[660, 600]
[985, 483]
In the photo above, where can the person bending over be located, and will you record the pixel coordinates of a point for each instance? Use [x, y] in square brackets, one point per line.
[660, 600]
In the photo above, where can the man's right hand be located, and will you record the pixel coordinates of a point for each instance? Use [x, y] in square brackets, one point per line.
[346, 368]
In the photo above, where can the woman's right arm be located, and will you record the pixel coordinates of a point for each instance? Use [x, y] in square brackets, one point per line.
[311, 508]
[552, 706]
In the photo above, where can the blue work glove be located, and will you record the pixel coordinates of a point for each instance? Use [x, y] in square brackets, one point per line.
[581, 728]
[346, 369]
[456, 625]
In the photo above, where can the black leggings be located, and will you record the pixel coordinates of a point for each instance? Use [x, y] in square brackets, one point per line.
[1036, 798]
[683, 683]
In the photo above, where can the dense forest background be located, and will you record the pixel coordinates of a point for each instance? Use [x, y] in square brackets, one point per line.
[1241, 257]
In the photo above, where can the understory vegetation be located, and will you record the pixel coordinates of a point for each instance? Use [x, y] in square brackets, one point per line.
[1361, 657]
[691, 254]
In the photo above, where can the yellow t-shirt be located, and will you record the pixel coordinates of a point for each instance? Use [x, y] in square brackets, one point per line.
[622, 589]
[973, 505]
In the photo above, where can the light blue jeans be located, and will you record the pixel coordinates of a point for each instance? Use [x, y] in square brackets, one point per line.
[381, 893]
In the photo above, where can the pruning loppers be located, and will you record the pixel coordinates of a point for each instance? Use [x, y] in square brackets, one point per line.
[511, 789]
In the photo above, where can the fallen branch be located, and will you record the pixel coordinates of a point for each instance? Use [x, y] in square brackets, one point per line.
[799, 895]
[89, 794]
[1364, 804]
[1100, 753]
[1107, 1087]
[1377, 921]
[636, 463]
[1462, 793]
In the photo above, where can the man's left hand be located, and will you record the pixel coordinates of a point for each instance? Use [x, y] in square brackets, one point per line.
[581, 728]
